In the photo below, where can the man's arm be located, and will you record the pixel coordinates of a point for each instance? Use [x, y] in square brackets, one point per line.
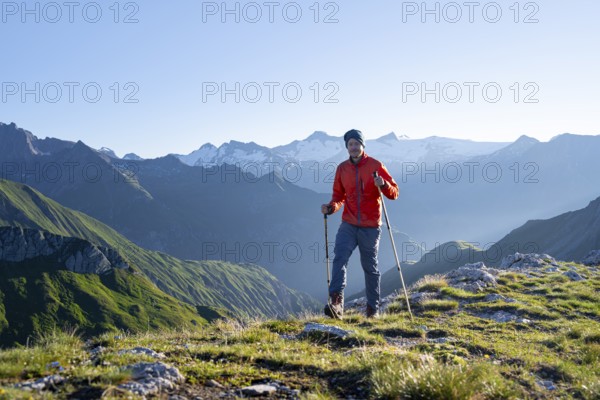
[339, 193]
[390, 187]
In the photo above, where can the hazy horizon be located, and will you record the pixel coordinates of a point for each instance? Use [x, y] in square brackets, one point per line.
[40, 135]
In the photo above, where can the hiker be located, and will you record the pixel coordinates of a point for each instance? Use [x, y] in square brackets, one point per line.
[355, 187]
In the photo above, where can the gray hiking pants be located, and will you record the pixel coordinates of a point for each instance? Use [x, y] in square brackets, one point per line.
[367, 239]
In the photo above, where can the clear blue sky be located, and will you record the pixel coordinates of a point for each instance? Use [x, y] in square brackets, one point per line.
[370, 56]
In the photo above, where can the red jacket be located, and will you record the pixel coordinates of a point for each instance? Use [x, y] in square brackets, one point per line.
[354, 185]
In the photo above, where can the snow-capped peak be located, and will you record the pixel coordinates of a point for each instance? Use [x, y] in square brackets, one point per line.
[206, 153]
[108, 152]
[207, 146]
[320, 135]
[132, 156]
[390, 137]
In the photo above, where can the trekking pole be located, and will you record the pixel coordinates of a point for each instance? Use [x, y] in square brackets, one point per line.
[327, 261]
[387, 221]
[326, 254]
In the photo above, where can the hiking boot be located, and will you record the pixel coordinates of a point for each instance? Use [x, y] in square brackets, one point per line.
[335, 306]
[371, 312]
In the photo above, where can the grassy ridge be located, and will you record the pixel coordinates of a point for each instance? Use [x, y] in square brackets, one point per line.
[442, 354]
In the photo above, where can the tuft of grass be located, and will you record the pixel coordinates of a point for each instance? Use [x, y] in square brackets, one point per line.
[284, 326]
[461, 294]
[556, 278]
[511, 277]
[397, 308]
[593, 338]
[394, 380]
[16, 394]
[401, 332]
[438, 305]
[66, 348]
[591, 355]
[574, 333]
[431, 283]
[591, 391]
[317, 396]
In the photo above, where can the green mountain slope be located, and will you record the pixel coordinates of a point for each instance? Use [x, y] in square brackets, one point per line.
[164, 205]
[39, 294]
[243, 289]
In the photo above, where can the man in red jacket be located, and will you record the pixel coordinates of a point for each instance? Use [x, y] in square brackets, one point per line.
[355, 187]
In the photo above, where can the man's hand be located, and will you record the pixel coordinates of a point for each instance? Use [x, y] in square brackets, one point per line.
[379, 181]
[326, 209]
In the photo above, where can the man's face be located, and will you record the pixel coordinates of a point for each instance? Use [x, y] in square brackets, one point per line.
[355, 149]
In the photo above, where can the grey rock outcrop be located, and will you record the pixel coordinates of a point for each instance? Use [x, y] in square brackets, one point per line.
[472, 277]
[592, 259]
[574, 276]
[361, 303]
[520, 262]
[548, 385]
[258, 390]
[503, 316]
[420, 297]
[45, 383]
[74, 254]
[142, 351]
[152, 378]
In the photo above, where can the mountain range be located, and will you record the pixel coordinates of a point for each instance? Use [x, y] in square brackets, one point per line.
[202, 213]
[445, 183]
[237, 206]
[321, 147]
[451, 188]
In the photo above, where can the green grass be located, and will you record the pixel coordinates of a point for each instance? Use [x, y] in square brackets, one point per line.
[593, 338]
[438, 305]
[430, 380]
[481, 362]
[445, 352]
[56, 345]
[430, 283]
[461, 294]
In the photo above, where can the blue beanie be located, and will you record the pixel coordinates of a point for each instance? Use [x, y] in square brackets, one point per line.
[354, 134]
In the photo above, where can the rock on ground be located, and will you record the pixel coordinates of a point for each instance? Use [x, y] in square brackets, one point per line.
[472, 277]
[574, 276]
[333, 330]
[520, 261]
[45, 383]
[592, 259]
[152, 378]
[144, 351]
[258, 390]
